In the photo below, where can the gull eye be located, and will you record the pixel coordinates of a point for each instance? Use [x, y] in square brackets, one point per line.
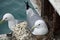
[5, 18]
[38, 24]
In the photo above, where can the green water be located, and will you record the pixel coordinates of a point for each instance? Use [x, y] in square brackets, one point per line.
[16, 7]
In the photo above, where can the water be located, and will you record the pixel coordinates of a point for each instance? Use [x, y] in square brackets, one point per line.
[16, 7]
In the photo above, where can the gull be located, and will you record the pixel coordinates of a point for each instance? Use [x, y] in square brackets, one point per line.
[11, 20]
[36, 23]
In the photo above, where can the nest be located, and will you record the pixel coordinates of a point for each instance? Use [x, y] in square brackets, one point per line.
[21, 32]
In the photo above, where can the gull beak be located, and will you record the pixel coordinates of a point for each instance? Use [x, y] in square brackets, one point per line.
[1, 21]
[33, 27]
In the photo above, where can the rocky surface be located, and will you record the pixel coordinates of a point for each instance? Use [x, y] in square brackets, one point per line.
[37, 5]
[4, 37]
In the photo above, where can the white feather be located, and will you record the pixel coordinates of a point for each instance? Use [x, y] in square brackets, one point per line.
[11, 20]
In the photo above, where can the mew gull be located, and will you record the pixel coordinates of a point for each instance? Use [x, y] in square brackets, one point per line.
[35, 21]
[11, 20]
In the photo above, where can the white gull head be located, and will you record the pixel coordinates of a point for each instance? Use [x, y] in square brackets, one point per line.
[8, 17]
[11, 20]
[40, 28]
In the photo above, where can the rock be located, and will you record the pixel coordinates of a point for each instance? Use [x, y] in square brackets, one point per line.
[21, 32]
[4, 37]
[37, 5]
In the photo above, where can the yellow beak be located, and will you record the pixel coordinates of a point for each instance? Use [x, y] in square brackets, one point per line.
[33, 27]
[1, 21]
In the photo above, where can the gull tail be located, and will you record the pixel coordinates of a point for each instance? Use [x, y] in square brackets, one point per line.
[27, 5]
